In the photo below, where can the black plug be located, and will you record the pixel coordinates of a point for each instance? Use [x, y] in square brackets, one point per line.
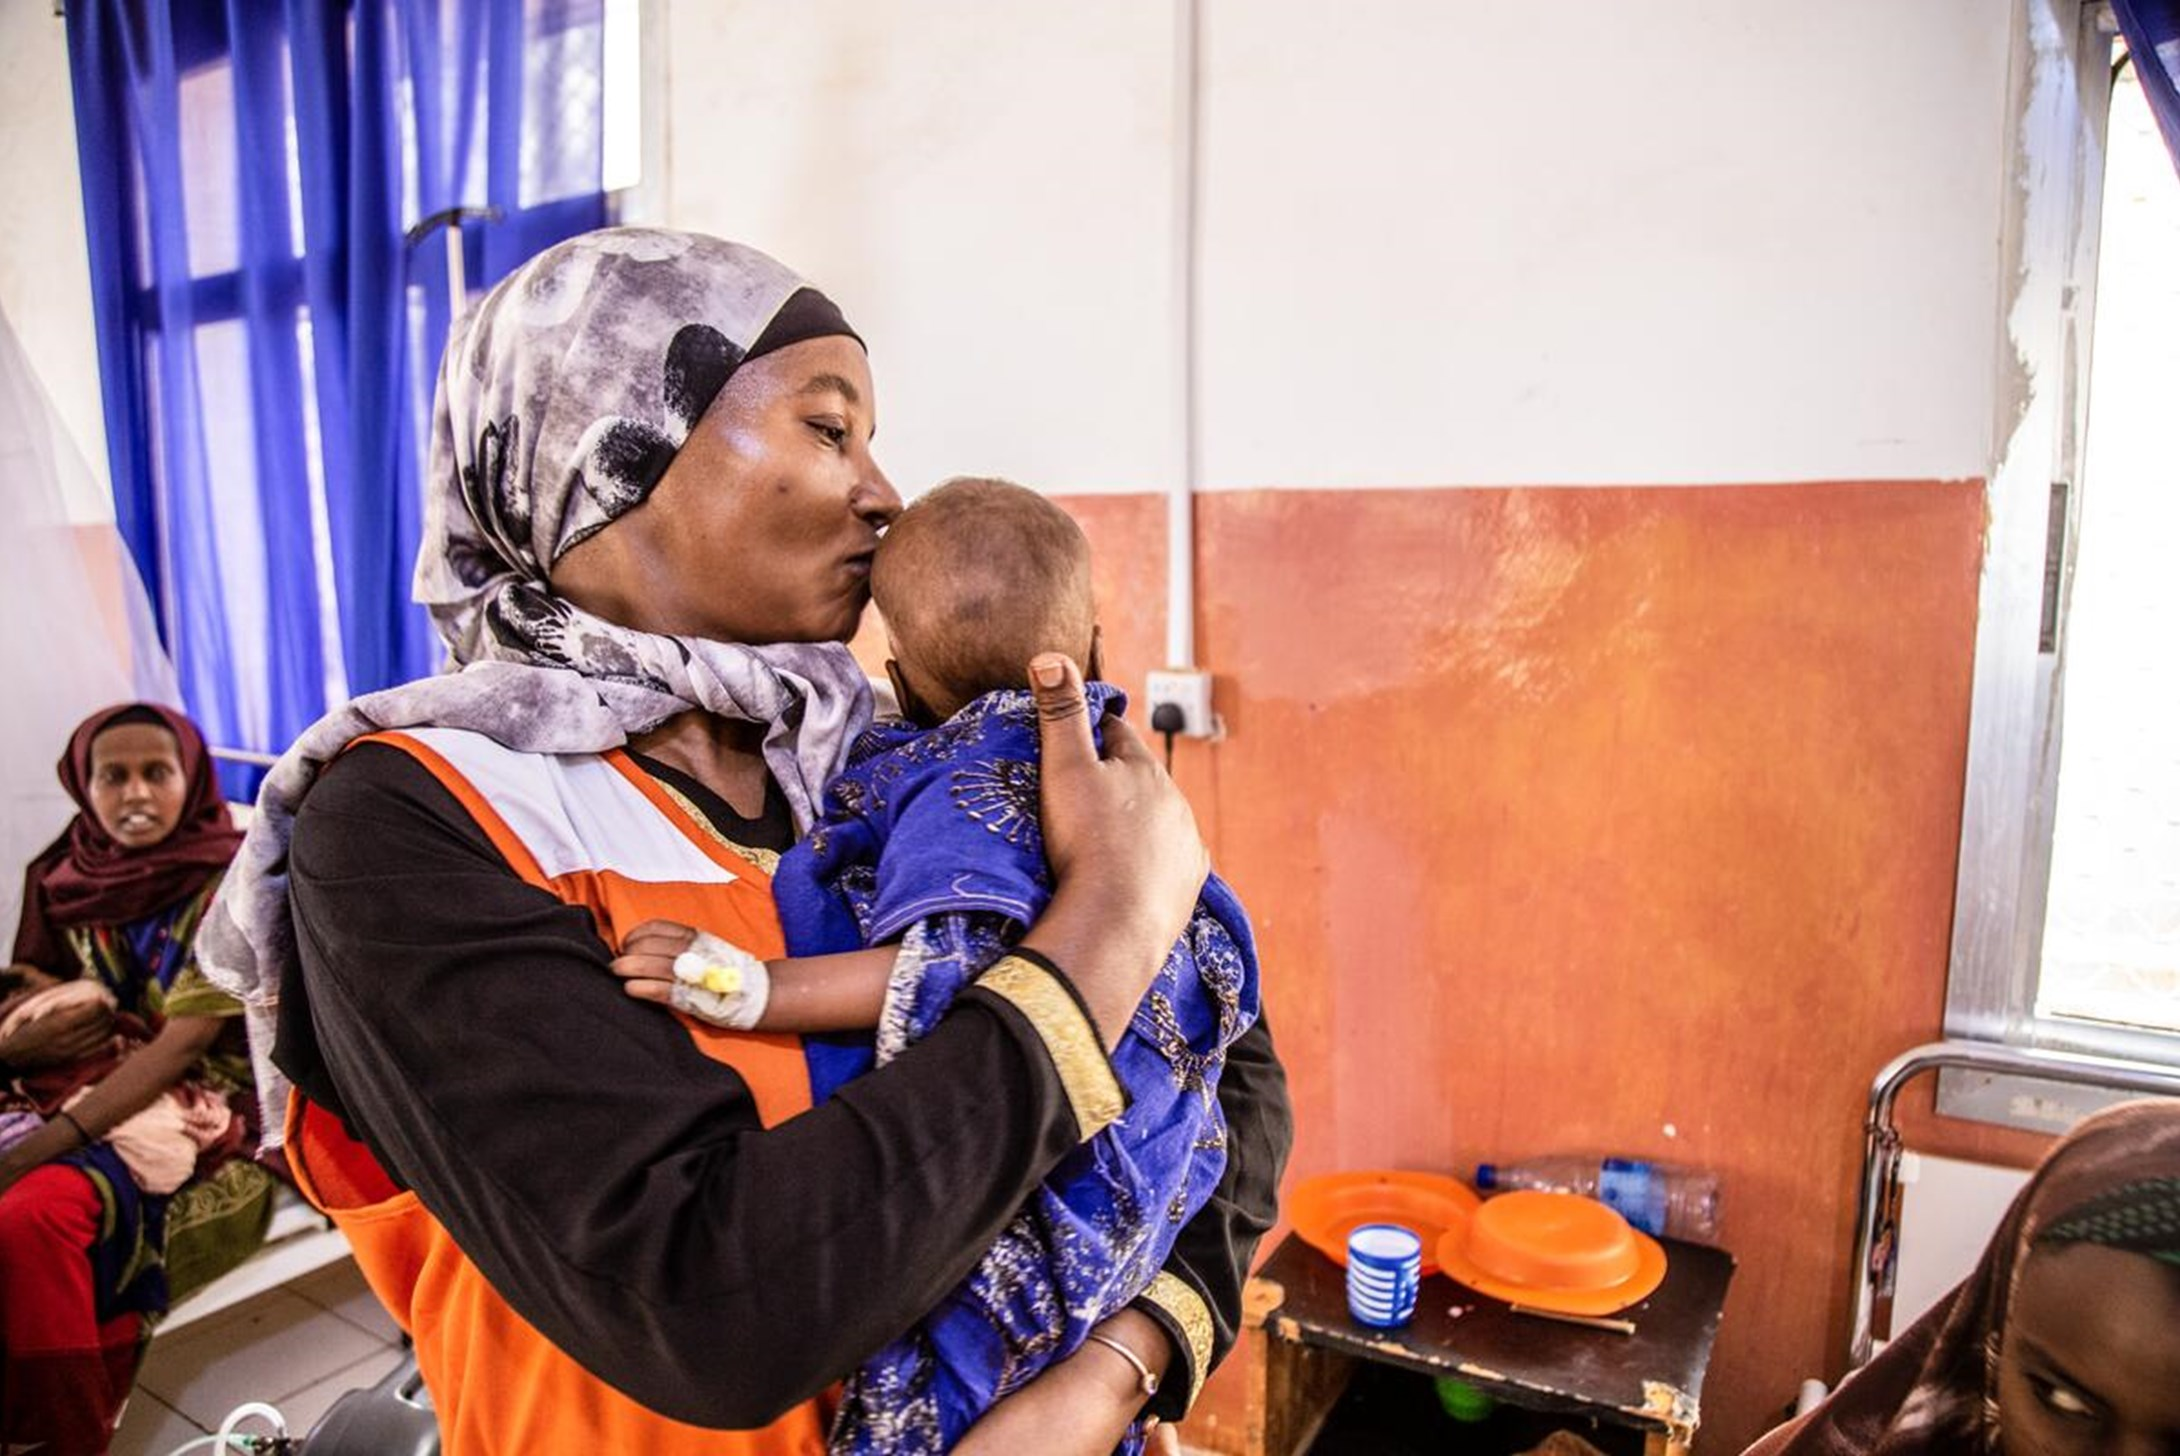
[1166, 719]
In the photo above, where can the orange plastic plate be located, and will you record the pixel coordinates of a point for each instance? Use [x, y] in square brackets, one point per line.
[1326, 1209]
[1555, 1251]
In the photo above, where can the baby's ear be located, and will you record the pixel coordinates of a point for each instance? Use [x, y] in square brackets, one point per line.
[1094, 669]
[905, 701]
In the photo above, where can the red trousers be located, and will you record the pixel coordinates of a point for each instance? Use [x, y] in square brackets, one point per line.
[63, 1375]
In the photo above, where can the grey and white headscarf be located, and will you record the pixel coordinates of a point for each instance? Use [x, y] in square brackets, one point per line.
[562, 398]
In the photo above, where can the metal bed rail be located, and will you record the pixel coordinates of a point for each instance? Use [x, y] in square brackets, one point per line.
[1875, 1262]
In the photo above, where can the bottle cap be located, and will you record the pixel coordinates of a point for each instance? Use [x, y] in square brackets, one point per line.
[1487, 1175]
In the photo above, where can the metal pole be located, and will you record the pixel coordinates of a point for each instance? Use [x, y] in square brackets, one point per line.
[1181, 490]
[457, 284]
[451, 218]
[1881, 1140]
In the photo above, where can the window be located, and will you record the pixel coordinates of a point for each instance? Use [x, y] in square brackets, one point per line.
[2067, 922]
[2111, 951]
[270, 328]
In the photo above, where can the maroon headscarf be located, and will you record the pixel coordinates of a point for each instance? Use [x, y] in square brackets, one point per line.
[86, 877]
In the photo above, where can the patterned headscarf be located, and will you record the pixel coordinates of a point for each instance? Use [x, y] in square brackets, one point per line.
[2114, 1180]
[562, 399]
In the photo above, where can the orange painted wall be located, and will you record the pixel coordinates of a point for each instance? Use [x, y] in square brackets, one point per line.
[1566, 815]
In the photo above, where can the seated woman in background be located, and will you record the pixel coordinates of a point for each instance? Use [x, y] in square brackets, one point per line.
[127, 1118]
[2066, 1338]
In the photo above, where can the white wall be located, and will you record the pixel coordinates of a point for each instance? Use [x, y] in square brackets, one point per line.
[985, 187]
[1677, 242]
[1949, 1210]
[45, 281]
[1684, 242]
[1441, 244]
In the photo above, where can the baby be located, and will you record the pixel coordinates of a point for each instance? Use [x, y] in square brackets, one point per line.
[925, 866]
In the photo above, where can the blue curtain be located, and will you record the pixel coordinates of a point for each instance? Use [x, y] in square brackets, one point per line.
[268, 339]
[2152, 29]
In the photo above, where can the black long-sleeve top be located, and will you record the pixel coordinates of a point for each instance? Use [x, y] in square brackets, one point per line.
[615, 1184]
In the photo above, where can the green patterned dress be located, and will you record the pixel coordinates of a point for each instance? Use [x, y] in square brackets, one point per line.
[157, 1250]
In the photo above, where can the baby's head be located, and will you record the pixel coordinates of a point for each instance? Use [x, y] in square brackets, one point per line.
[973, 580]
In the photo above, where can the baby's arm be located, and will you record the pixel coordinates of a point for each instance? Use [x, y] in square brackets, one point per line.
[732, 988]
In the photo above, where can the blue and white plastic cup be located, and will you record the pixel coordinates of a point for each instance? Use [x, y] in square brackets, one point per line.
[1384, 1311]
[1363, 1281]
[1384, 1274]
[1385, 1308]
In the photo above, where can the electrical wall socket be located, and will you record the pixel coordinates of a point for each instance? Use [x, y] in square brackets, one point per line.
[1188, 689]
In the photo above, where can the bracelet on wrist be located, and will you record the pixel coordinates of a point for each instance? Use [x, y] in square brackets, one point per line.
[1146, 1381]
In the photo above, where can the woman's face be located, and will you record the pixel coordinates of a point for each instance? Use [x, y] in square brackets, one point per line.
[2091, 1356]
[763, 528]
[137, 788]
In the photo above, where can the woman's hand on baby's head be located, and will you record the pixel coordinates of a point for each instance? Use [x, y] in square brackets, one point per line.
[646, 961]
[1118, 819]
[1121, 841]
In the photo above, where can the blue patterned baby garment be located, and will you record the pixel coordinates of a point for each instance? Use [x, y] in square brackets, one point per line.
[931, 838]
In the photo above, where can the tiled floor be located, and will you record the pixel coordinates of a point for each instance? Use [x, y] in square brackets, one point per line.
[297, 1348]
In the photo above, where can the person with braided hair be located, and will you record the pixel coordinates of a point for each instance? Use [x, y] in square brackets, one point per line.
[2065, 1339]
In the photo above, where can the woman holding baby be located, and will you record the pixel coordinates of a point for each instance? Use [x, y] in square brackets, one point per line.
[126, 1115]
[608, 1227]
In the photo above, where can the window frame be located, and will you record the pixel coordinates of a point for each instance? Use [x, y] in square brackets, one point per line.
[2060, 107]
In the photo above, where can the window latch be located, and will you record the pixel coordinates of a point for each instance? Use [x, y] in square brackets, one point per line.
[2047, 634]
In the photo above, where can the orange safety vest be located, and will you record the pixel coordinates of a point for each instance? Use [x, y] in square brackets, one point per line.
[497, 1384]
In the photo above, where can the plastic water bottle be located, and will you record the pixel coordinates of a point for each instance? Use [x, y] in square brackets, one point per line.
[1658, 1198]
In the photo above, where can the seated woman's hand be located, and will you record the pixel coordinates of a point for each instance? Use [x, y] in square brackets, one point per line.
[18, 983]
[69, 1033]
[1122, 844]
